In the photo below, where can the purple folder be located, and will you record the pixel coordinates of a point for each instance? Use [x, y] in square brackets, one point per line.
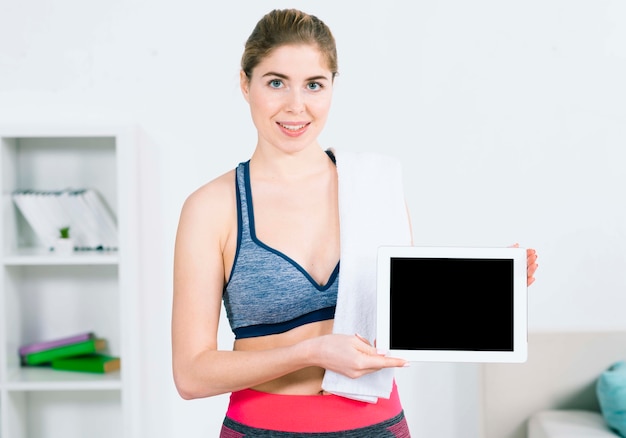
[45, 345]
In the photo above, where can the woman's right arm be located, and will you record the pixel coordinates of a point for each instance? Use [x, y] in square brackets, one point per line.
[207, 223]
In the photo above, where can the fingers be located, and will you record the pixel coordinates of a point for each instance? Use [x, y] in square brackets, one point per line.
[361, 338]
[366, 347]
[531, 265]
[387, 362]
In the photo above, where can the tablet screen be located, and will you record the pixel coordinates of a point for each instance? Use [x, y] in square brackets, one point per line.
[434, 306]
[437, 303]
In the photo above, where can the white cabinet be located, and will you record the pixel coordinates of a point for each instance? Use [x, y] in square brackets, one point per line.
[44, 295]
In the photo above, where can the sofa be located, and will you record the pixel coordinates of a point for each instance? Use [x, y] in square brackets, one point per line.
[568, 423]
[553, 394]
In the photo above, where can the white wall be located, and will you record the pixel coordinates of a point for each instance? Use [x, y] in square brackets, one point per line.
[509, 118]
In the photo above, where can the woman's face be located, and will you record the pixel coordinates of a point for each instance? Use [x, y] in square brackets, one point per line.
[289, 94]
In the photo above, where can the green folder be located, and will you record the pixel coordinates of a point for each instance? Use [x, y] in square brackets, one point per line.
[91, 363]
[77, 349]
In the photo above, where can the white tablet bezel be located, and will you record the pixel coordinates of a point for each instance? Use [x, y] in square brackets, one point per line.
[520, 313]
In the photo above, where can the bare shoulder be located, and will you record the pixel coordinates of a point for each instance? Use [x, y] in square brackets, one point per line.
[211, 207]
[213, 194]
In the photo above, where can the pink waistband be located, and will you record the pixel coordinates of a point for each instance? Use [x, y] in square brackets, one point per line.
[309, 413]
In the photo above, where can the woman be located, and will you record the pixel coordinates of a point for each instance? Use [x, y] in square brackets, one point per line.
[275, 221]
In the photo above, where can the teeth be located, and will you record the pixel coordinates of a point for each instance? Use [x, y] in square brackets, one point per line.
[292, 127]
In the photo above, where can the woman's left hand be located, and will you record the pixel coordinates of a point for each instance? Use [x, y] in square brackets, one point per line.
[531, 264]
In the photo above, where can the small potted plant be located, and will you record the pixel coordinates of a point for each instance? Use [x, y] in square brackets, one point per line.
[64, 243]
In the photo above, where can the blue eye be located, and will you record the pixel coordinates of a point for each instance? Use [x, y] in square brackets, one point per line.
[275, 83]
[315, 86]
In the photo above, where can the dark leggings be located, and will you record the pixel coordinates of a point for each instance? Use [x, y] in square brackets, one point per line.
[395, 427]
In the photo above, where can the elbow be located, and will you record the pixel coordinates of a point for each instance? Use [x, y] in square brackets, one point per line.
[185, 387]
[190, 388]
[185, 395]
[182, 388]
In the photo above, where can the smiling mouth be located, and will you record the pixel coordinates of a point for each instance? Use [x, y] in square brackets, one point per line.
[293, 127]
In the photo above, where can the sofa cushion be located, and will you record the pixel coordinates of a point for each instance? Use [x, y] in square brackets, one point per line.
[568, 424]
[611, 392]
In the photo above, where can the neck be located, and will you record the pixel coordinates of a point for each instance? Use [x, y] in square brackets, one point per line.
[288, 166]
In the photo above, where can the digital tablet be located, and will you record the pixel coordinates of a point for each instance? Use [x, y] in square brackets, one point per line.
[452, 304]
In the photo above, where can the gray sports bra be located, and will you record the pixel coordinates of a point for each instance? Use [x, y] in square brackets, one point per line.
[268, 292]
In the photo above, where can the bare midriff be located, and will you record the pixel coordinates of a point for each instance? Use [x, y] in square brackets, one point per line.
[306, 381]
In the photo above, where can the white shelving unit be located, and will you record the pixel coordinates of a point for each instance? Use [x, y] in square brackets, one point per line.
[46, 296]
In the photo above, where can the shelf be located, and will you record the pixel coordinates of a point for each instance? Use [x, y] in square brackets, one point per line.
[47, 295]
[43, 257]
[45, 379]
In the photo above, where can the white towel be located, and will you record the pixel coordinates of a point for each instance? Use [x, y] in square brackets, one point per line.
[372, 213]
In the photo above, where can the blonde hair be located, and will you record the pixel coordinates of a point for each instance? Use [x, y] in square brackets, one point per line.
[288, 26]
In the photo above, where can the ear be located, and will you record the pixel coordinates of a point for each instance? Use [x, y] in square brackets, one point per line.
[244, 84]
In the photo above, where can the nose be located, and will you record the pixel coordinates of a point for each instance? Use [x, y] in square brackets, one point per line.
[295, 101]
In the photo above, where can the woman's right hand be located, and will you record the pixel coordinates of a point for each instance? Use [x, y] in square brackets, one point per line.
[351, 355]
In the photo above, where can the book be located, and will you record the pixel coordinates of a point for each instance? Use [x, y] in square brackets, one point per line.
[85, 212]
[90, 363]
[84, 347]
[53, 343]
[28, 206]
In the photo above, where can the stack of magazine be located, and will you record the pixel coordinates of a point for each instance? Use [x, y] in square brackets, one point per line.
[92, 224]
[79, 352]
